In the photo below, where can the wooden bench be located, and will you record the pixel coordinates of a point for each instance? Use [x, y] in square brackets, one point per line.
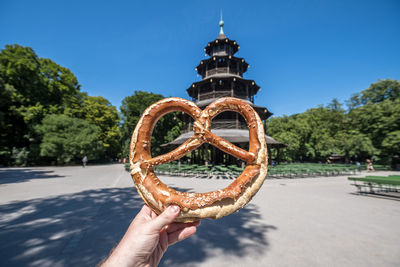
[377, 184]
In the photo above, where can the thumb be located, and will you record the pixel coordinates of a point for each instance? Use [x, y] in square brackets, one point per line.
[165, 218]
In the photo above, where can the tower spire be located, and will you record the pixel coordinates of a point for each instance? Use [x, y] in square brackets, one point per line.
[221, 27]
[221, 24]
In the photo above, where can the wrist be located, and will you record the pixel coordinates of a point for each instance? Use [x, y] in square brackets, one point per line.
[124, 255]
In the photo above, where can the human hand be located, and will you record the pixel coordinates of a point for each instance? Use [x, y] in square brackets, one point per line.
[148, 237]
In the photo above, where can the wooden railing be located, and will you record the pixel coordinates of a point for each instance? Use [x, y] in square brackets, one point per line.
[218, 94]
[220, 124]
[221, 70]
[227, 124]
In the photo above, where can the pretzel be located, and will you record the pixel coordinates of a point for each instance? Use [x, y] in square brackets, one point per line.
[195, 206]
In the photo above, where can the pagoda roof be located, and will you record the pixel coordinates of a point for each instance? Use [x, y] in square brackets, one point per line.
[231, 135]
[204, 62]
[262, 111]
[253, 89]
[224, 75]
[232, 43]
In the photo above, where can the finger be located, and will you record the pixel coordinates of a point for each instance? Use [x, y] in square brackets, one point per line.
[146, 209]
[177, 226]
[181, 234]
[153, 215]
[143, 214]
[165, 218]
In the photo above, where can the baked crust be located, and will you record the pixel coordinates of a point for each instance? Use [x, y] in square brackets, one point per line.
[196, 206]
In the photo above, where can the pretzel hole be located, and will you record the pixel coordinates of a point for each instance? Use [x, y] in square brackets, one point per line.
[210, 156]
[196, 169]
[167, 128]
[229, 120]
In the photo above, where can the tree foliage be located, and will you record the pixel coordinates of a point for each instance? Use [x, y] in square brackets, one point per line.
[380, 91]
[98, 111]
[166, 129]
[68, 139]
[369, 128]
[32, 88]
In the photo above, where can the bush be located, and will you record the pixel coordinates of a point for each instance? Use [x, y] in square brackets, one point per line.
[20, 156]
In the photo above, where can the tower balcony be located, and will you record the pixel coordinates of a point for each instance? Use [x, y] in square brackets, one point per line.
[222, 64]
[223, 85]
[218, 94]
[220, 124]
[223, 71]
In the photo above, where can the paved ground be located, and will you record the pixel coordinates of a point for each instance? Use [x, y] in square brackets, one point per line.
[73, 216]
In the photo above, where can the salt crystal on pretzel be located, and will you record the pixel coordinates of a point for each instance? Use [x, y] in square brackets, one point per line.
[196, 206]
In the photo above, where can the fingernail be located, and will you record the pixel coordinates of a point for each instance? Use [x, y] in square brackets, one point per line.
[174, 209]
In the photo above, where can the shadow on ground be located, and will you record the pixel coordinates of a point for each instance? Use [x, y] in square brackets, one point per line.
[9, 176]
[80, 230]
[238, 235]
[383, 195]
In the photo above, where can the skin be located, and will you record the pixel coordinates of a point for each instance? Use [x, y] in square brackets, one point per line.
[148, 237]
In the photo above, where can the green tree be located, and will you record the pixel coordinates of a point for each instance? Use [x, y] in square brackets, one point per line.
[352, 143]
[311, 135]
[166, 129]
[40, 85]
[30, 88]
[391, 143]
[288, 130]
[369, 128]
[98, 111]
[380, 91]
[379, 122]
[325, 123]
[375, 112]
[69, 139]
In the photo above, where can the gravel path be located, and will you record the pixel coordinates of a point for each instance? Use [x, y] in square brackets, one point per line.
[73, 216]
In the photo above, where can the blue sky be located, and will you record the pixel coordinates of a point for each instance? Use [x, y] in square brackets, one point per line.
[301, 53]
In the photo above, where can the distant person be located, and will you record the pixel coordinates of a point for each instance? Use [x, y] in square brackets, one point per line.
[370, 167]
[84, 161]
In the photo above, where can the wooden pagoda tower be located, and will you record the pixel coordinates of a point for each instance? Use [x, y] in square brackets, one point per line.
[222, 76]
